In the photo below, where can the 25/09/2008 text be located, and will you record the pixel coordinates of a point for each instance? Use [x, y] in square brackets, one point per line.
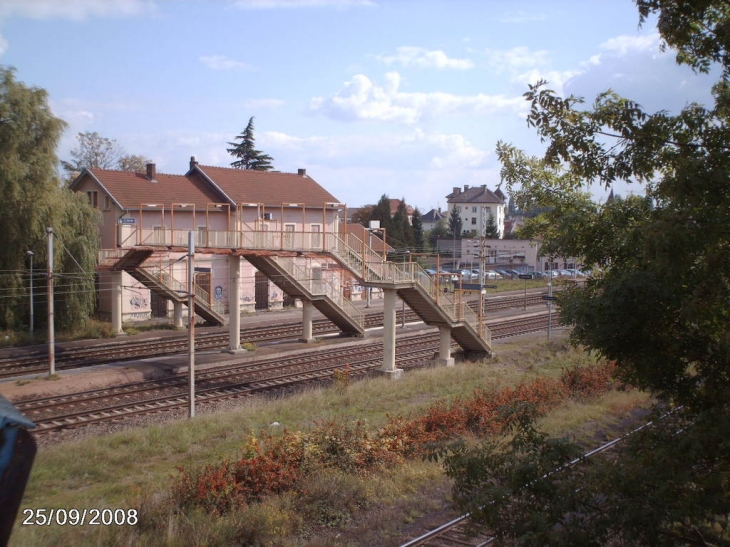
[80, 517]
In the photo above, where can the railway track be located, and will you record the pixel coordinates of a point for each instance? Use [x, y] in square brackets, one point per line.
[459, 531]
[242, 379]
[34, 360]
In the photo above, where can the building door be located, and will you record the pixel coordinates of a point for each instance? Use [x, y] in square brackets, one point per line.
[202, 280]
[289, 236]
[261, 291]
[158, 305]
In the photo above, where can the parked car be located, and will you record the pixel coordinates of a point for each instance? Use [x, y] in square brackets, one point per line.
[448, 276]
[491, 274]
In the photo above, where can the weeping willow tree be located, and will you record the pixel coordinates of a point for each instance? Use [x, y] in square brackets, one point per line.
[32, 200]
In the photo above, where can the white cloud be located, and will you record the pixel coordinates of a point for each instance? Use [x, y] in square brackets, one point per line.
[76, 10]
[361, 99]
[555, 78]
[420, 57]
[221, 62]
[620, 46]
[516, 59]
[272, 4]
[414, 149]
[525, 66]
[3, 44]
[624, 44]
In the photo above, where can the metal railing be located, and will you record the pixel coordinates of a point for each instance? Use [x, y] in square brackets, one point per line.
[367, 263]
[318, 286]
[163, 276]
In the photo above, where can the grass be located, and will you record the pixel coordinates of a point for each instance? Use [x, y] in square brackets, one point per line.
[133, 469]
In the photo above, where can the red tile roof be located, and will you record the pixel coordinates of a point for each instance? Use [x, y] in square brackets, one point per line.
[130, 189]
[267, 187]
[207, 184]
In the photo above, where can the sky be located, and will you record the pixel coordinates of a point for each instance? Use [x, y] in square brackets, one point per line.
[396, 97]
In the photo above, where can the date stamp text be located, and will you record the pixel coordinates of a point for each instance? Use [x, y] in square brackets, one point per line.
[80, 517]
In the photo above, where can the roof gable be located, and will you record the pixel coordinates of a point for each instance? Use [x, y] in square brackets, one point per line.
[129, 189]
[477, 194]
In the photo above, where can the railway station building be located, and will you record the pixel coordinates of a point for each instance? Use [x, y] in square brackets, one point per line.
[207, 200]
[226, 241]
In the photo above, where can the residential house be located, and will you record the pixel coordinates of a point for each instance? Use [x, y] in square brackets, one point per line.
[432, 218]
[475, 206]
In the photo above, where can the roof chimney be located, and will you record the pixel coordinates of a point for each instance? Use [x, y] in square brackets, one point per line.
[302, 172]
[151, 172]
[466, 187]
[457, 190]
[193, 162]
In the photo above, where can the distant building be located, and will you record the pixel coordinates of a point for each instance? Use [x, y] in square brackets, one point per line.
[432, 218]
[475, 205]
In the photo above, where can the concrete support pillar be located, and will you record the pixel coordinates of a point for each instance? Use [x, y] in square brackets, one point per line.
[307, 312]
[445, 347]
[117, 303]
[389, 305]
[234, 302]
[177, 316]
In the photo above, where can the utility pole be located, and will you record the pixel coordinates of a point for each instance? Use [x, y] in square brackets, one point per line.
[191, 322]
[51, 335]
[32, 322]
[550, 302]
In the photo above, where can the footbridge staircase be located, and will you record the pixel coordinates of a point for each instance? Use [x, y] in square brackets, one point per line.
[302, 280]
[155, 273]
[416, 288]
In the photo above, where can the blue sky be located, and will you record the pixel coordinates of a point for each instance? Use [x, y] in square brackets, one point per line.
[404, 98]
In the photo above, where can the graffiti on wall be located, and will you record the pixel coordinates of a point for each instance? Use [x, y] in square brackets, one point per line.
[218, 293]
[139, 302]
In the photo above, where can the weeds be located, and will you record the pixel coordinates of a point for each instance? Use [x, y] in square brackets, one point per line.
[273, 465]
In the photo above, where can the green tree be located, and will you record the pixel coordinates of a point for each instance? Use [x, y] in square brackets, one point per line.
[402, 229]
[381, 212]
[660, 306]
[492, 231]
[438, 231]
[97, 152]
[32, 200]
[455, 223]
[93, 152]
[362, 215]
[133, 162]
[418, 234]
[245, 151]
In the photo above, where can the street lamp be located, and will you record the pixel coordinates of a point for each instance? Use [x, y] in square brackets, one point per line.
[30, 254]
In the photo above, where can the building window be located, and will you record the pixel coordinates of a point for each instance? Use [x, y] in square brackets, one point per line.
[93, 196]
[474, 209]
[474, 221]
[107, 203]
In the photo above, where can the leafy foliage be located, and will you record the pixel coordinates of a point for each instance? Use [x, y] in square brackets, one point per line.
[418, 233]
[245, 151]
[492, 230]
[97, 152]
[32, 201]
[273, 464]
[93, 152]
[659, 305]
[455, 223]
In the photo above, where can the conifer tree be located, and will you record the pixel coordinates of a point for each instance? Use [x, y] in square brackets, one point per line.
[245, 151]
